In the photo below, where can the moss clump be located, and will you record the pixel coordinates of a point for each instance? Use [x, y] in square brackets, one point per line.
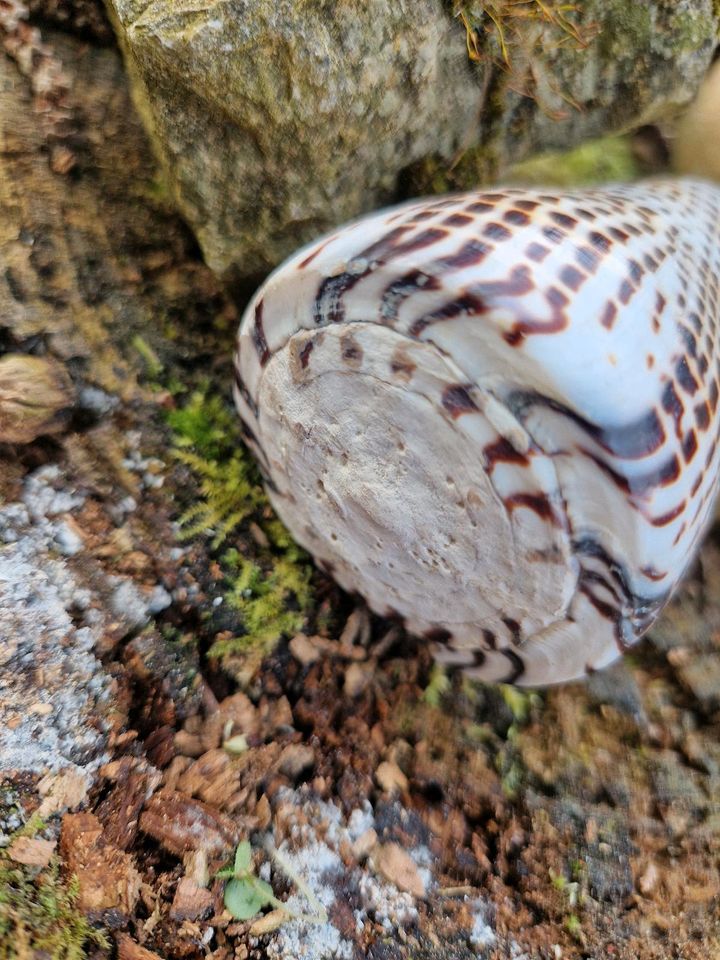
[39, 915]
[573, 894]
[436, 174]
[268, 583]
[599, 161]
[273, 596]
[438, 686]
[206, 440]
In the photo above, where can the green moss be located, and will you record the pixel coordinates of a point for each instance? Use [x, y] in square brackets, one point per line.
[152, 362]
[438, 686]
[598, 161]
[574, 926]
[693, 29]
[205, 425]
[520, 702]
[273, 596]
[39, 915]
[624, 26]
[633, 27]
[206, 440]
[269, 585]
[434, 174]
[572, 892]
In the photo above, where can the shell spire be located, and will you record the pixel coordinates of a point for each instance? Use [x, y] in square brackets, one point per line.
[495, 414]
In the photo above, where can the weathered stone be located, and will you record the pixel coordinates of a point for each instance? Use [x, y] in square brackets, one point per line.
[397, 866]
[32, 851]
[277, 120]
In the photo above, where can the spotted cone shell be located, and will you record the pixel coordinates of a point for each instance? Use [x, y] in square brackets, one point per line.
[495, 414]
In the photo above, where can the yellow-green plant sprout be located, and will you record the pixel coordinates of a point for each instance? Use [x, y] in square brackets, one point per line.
[438, 686]
[245, 894]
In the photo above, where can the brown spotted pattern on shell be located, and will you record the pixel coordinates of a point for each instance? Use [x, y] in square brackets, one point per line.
[495, 414]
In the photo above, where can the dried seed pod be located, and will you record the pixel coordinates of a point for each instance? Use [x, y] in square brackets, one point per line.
[35, 396]
[495, 414]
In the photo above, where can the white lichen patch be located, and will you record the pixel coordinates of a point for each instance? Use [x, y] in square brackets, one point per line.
[54, 693]
[313, 840]
[481, 934]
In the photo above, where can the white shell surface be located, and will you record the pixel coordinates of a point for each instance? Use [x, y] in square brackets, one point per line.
[495, 414]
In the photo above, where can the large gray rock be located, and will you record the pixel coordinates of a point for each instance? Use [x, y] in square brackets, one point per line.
[277, 119]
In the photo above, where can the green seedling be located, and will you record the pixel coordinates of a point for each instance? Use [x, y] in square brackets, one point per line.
[246, 894]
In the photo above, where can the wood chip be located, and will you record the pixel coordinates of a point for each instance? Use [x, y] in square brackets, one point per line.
[263, 814]
[213, 778]
[191, 902]
[129, 950]
[296, 759]
[357, 677]
[233, 716]
[397, 866]
[390, 778]
[649, 880]
[258, 535]
[386, 643]
[181, 824]
[189, 744]
[160, 746]
[36, 395]
[32, 851]
[356, 629]
[107, 878]
[271, 921]
[277, 716]
[304, 650]
[120, 810]
[196, 867]
[364, 845]
[62, 791]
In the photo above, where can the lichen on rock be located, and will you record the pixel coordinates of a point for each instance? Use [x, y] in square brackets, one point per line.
[56, 700]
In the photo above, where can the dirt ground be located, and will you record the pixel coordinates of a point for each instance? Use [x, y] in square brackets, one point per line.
[402, 813]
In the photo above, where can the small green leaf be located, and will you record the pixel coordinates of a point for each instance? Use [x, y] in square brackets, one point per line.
[246, 897]
[226, 873]
[263, 888]
[243, 858]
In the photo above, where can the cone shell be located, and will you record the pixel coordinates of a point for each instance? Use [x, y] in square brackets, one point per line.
[495, 414]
